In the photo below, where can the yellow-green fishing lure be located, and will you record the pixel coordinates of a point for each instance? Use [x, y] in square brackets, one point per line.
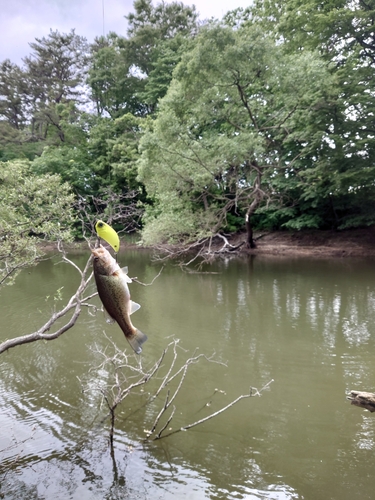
[108, 234]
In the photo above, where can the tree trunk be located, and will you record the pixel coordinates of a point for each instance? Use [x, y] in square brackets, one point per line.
[249, 230]
[257, 196]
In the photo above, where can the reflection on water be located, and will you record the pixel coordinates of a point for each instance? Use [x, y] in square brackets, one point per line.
[308, 324]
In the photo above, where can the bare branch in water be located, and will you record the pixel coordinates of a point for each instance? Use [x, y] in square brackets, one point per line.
[128, 375]
[6, 466]
[222, 410]
[197, 253]
[153, 280]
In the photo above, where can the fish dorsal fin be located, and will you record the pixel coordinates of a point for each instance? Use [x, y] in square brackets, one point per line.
[134, 307]
[125, 271]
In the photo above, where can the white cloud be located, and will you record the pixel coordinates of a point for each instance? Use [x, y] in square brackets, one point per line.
[22, 21]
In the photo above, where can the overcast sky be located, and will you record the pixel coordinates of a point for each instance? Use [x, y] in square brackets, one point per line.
[21, 21]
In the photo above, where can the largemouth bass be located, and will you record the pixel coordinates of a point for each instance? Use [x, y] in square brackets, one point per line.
[112, 284]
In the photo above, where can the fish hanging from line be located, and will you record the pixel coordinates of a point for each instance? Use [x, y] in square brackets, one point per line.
[112, 284]
[108, 234]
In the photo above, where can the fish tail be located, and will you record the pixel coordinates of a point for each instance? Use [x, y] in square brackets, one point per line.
[136, 340]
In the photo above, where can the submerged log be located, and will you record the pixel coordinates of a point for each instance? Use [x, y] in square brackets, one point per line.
[363, 399]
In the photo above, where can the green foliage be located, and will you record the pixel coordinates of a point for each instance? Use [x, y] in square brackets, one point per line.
[343, 170]
[129, 75]
[266, 114]
[304, 221]
[233, 222]
[237, 104]
[32, 208]
[174, 224]
[72, 165]
[114, 84]
[164, 58]
[113, 150]
[12, 89]
[150, 25]
[56, 68]
[39, 100]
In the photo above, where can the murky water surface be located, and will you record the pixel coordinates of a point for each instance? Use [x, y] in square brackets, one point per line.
[308, 324]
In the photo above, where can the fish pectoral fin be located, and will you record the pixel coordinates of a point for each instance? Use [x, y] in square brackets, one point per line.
[136, 340]
[108, 318]
[125, 271]
[134, 307]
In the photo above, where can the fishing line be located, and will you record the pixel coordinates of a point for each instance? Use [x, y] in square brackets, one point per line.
[105, 100]
[105, 94]
[103, 18]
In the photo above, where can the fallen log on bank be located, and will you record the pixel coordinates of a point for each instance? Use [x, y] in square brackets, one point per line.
[363, 399]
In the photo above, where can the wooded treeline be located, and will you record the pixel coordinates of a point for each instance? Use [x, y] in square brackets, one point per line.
[264, 117]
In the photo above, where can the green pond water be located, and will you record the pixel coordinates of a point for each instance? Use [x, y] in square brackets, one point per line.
[307, 324]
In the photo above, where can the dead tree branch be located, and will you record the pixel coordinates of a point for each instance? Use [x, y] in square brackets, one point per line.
[153, 280]
[119, 209]
[128, 375]
[6, 467]
[253, 392]
[74, 305]
[363, 400]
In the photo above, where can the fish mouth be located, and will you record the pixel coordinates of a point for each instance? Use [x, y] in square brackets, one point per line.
[98, 252]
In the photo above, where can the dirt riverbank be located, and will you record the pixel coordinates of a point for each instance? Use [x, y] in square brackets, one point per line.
[351, 242]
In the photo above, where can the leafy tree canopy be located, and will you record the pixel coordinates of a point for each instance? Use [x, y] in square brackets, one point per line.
[31, 208]
[236, 107]
[149, 25]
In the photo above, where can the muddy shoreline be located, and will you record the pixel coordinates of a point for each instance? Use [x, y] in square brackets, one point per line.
[347, 243]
